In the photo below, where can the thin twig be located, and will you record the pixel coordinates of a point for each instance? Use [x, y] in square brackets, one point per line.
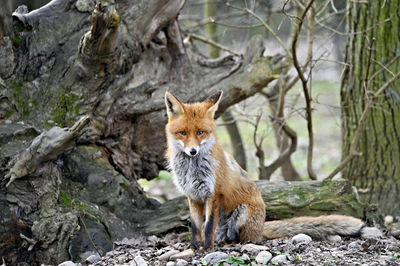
[279, 119]
[353, 33]
[306, 93]
[393, 60]
[266, 26]
[219, 46]
[329, 15]
[322, 7]
[383, 67]
[294, 35]
[236, 26]
[89, 236]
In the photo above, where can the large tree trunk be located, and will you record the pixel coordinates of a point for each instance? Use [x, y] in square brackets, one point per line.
[113, 63]
[373, 42]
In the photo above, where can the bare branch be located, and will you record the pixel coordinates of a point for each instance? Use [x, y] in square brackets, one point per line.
[47, 146]
[306, 93]
[235, 26]
[208, 41]
[393, 60]
[266, 26]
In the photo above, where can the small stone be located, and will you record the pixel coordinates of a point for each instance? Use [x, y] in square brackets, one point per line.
[388, 220]
[334, 238]
[122, 258]
[140, 261]
[183, 255]
[245, 256]
[234, 254]
[354, 244]
[67, 263]
[214, 257]
[170, 263]
[370, 232]
[263, 257]
[196, 262]
[168, 254]
[92, 259]
[252, 248]
[280, 259]
[301, 238]
[181, 262]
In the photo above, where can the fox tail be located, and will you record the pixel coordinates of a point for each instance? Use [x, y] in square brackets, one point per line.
[316, 227]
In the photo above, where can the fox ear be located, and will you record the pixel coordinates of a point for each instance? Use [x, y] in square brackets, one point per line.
[214, 101]
[174, 106]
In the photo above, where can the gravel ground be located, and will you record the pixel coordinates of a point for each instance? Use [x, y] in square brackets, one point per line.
[173, 249]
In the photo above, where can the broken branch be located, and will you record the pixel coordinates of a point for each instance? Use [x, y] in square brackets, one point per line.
[47, 146]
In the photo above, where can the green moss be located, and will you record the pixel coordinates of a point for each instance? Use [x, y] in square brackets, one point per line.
[297, 198]
[80, 206]
[64, 109]
[324, 205]
[20, 100]
[124, 186]
[64, 198]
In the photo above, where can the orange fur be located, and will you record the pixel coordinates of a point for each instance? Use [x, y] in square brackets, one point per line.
[232, 185]
[191, 124]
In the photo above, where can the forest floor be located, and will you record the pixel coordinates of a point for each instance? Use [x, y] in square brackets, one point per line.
[174, 249]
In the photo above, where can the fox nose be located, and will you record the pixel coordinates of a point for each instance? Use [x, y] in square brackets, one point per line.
[193, 152]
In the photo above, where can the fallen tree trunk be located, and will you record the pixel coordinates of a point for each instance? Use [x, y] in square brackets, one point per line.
[282, 199]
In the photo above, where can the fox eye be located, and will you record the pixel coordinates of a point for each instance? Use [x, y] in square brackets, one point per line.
[183, 133]
[199, 133]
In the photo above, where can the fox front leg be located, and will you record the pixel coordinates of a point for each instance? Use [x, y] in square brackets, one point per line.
[212, 213]
[196, 218]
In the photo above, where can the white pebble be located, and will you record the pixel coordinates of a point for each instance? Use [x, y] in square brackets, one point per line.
[263, 257]
[301, 238]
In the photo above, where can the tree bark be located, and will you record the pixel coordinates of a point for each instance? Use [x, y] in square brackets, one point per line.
[372, 57]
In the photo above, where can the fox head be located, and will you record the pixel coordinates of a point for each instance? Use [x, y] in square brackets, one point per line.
[191, 127]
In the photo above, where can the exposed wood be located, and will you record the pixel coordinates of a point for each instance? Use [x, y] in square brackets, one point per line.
[47, 146]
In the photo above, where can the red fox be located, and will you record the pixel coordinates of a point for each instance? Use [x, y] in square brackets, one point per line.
[225, 204]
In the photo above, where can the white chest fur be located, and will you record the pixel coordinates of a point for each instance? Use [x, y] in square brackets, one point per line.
[194, 176]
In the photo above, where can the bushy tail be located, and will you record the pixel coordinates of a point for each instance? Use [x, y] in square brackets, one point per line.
[316, 227]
